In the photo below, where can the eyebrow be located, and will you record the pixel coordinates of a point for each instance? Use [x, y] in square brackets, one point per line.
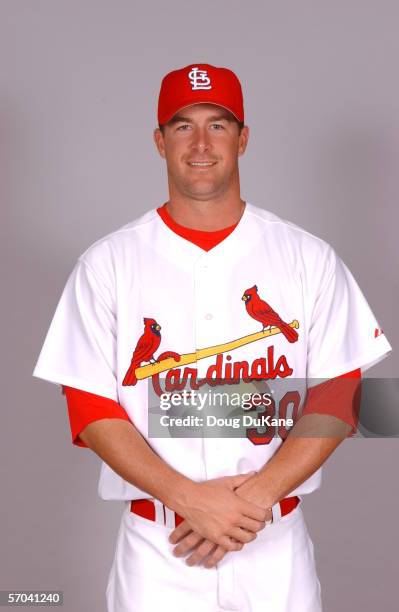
[178, 118]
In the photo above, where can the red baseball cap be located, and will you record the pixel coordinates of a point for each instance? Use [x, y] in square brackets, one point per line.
[199, 83]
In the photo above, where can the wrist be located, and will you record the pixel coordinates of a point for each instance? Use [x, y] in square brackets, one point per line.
[267, 496]
[178, 496]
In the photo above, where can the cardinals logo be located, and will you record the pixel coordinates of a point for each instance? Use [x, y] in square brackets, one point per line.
[260, 310]
[229, 371]
[146, 346]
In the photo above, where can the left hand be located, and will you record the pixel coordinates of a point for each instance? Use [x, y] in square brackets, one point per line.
[207, 553]
[190, 541]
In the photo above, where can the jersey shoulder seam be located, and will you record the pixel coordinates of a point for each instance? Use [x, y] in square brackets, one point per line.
[96, 274]
[289, 224]
[132, 225]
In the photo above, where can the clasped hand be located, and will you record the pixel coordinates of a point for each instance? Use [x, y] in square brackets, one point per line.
[220, 516]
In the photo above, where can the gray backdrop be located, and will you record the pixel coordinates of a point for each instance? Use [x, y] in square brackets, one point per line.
[79, 86]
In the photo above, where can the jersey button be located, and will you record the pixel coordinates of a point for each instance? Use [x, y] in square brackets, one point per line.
[209, 316]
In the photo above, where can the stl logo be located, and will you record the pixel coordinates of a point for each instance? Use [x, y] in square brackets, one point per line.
[199, 79]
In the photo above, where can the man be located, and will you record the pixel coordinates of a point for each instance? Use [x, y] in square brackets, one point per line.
[209, 285]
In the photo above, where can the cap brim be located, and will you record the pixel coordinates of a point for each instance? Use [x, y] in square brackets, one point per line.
[202, 102]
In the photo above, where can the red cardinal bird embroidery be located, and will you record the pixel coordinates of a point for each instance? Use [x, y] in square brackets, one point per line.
[146, 346]
[262, 312]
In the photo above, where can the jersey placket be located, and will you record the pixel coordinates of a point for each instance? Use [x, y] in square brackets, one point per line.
[205, 322]
[206, 319]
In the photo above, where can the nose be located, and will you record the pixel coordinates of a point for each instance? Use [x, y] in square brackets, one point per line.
[200, 140]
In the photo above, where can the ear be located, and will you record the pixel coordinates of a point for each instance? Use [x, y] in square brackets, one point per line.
[243, 140]
[159, 142]
[145, 320]
[256, 288]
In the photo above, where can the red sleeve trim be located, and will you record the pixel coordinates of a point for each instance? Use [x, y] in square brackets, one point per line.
[85, 407]
[353, 374]
[333, 397]
[339, 397]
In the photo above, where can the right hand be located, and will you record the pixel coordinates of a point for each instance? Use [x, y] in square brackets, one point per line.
[214, 511]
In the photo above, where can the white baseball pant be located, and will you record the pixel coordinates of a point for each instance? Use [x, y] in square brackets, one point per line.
[273, 573]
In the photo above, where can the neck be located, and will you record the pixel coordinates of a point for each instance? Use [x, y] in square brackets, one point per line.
[206, 215]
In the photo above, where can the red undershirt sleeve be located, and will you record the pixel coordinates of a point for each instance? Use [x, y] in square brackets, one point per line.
[85, 407]
[339, 397]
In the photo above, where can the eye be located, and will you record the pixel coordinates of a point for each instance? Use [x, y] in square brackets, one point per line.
[183, 127]
[219, 126]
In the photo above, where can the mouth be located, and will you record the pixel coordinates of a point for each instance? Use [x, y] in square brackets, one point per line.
[201, 164]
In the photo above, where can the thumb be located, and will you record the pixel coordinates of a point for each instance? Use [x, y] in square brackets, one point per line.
[239, 479]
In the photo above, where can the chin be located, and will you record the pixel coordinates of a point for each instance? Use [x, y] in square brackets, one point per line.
[203, 194]
[203, 187]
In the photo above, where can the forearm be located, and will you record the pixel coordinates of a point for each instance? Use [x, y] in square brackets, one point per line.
[119, 444]
[308, 445]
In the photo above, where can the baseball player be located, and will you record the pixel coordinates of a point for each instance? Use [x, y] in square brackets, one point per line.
[209, 286]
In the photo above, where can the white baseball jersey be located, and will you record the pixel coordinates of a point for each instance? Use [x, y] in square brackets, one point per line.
[144, 270]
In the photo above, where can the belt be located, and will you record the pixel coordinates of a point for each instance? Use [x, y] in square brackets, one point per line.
[155, 510]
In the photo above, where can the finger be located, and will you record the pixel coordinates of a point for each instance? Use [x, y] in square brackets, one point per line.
[202, 551]
[188, 543]
[251, 524]
[215, 557]
[180, 532]
[252, 510]
[239, 479]
[241, 535]
[230, 543]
